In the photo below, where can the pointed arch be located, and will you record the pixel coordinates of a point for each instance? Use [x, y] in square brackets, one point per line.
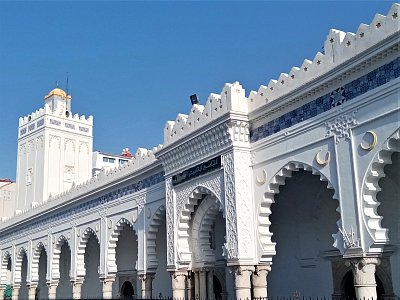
[370, 188]
[35, 261]
[264, 210]
[55, 266]
[198, 193]
[204, 217]
[18, 264]
[80, 256]
[156, 221]
[112, 244]
[4, 263]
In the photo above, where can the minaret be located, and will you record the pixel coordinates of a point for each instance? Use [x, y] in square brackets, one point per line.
[54, 150]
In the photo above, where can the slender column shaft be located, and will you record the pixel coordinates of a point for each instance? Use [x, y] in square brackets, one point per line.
[242, 281]
[32, 291]
[203, 284]
[147, 285]
[2, 292]
[259, 281]
[76, 289]
[52, 290]
[15, 292]
[178, 285]
[196, 284]
[107, 287]
[210, 284]
[191, 286]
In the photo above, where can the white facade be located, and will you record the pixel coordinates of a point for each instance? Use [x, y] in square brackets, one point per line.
[291, 191]
[54, 151]
[7, 198]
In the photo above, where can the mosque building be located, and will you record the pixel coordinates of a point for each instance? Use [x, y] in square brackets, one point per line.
[290, 191]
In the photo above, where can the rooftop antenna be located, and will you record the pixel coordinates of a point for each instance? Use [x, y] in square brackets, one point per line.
[66, 90]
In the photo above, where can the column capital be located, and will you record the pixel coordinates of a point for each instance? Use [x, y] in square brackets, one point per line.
[363, 269]
[261, 268]
[176, 274]
[146, 276]
[238, 270]
[108, 279]
[362, 261]
[32, 285]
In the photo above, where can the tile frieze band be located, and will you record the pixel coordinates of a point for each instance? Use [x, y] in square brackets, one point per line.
[339, 96]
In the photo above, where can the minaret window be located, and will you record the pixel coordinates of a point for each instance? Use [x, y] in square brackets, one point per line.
[29, 176]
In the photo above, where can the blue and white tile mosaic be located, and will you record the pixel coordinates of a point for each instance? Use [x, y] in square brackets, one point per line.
[328, 101]
[111, 196]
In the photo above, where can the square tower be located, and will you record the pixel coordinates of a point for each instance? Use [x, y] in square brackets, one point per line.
[54, 150]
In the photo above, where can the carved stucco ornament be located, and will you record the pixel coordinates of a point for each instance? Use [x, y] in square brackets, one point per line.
[323, 162]
[261, 178]
[341, 127]
[134, 216]
[372, 145]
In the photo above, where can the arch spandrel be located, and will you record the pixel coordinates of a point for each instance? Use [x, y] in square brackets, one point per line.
[264, 207]
[377, 236]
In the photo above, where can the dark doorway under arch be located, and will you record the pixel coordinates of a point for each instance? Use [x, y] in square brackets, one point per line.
[217, 288]
[127, 291]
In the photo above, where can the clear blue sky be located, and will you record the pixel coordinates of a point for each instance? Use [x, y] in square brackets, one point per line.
[133, 65]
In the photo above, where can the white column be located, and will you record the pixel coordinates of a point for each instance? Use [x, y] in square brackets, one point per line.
[52, 290]
[15, 292]
[210, 284]
[203, 284]
[242, 281]
[196, 284]
[147, 285]
[259, 281]
[364, 276]
[178, 285]
[190, 286]
[32, 291]
[107, 287]
[76, 289]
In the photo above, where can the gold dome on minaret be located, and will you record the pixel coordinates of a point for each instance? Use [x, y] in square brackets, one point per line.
[57, 92]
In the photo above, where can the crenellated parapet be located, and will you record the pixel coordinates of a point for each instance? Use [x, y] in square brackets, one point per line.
[47, 111]
[232, 99]
[45, 116]
[339, 47]
[143, 158]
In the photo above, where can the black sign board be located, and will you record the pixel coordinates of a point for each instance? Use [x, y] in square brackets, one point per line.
[196, 171]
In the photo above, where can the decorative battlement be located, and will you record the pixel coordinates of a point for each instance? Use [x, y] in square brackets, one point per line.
[45, 116]
[339, 47]
[231, 99]
[47, 111]
[142, 159]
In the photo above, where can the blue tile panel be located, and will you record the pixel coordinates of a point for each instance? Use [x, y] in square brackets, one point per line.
[346, 93]
[109, 197]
